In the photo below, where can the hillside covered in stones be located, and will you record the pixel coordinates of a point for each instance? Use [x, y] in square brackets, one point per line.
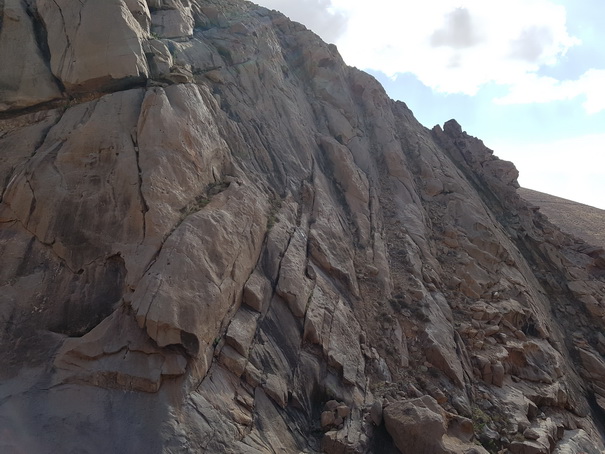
[577, 219]
[216, 237]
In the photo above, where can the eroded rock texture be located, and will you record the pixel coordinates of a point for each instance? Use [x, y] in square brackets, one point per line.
[216, 237]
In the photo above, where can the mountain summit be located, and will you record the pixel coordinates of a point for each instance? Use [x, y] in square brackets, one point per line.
[215, 237]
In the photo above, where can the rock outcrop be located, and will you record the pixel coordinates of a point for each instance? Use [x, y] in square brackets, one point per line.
[217, 237]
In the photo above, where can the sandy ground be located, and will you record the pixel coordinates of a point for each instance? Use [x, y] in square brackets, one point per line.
[581, 220]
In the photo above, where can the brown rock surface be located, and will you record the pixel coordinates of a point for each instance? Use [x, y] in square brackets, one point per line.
[580, 220]
[422, 426]
[82, 61]
[26, 79]
[220, 238]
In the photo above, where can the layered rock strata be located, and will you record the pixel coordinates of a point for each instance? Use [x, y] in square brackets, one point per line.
[217, 237]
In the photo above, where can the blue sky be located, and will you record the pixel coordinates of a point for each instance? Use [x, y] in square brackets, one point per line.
[527, 76]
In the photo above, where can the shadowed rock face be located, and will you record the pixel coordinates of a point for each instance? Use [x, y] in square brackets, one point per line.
[216, 237]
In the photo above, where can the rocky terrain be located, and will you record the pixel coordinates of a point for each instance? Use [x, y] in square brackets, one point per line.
[577, 219]
[216, 237]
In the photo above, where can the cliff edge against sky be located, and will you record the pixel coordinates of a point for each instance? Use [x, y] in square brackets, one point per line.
[217, 237]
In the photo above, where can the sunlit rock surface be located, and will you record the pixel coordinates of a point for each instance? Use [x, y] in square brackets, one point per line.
[217, 237]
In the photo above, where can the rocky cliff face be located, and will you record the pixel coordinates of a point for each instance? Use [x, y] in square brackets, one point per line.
[216, 237]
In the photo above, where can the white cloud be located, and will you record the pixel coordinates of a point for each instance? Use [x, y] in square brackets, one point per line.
[455, 46]
[570, 168]
[317, 15]
[458, 32]
[535, 89]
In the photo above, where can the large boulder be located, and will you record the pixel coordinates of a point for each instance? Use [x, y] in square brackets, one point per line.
[421, 426]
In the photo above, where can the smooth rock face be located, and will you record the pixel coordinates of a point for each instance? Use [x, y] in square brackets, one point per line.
[93, 44]
[217, 237]
[26, 78]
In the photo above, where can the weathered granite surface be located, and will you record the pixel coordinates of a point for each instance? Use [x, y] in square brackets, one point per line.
[217, 237]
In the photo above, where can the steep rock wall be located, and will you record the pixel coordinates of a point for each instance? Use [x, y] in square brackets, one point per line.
[217, 237]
